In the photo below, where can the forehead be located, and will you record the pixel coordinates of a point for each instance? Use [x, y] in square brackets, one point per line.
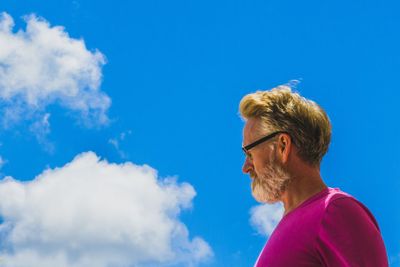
[250, 130]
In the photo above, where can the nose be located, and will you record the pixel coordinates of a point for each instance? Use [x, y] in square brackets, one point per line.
[247, 166]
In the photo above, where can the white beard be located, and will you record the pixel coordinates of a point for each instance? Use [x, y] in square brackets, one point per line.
[270, 183]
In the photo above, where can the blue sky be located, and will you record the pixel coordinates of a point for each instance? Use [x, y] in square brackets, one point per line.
[158, 83]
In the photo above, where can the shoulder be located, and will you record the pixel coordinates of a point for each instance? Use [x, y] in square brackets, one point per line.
[348, 234]
[343, 209]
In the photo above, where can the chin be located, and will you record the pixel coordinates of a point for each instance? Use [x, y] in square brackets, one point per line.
[262, 196]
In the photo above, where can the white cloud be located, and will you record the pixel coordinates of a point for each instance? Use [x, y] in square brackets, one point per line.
[94, 213]
[42, 65]
[264, 218]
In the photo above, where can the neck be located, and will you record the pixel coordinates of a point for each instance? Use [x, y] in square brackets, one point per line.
[303, 186]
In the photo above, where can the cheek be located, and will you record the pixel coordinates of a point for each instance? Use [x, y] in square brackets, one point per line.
[260, 160]
[258, 165]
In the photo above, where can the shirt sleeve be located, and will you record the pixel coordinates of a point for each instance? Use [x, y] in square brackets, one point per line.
[349, 236]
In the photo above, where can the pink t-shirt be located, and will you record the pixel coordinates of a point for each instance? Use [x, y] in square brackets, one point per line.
[330, 229]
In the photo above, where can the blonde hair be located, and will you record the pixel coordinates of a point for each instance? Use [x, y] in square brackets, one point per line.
[283, 110]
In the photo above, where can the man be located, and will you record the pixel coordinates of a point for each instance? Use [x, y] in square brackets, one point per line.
[285, 138]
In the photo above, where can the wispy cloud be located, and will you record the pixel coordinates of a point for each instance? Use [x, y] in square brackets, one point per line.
[115, 142]
[43, 65]
[2, 162]
[94, 213]
[264, 218]
[394, 261]
[41, 128]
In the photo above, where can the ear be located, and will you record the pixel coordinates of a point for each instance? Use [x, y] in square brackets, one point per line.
[284, 146]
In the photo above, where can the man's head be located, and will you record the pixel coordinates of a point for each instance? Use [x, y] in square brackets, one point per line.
[302, 130]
